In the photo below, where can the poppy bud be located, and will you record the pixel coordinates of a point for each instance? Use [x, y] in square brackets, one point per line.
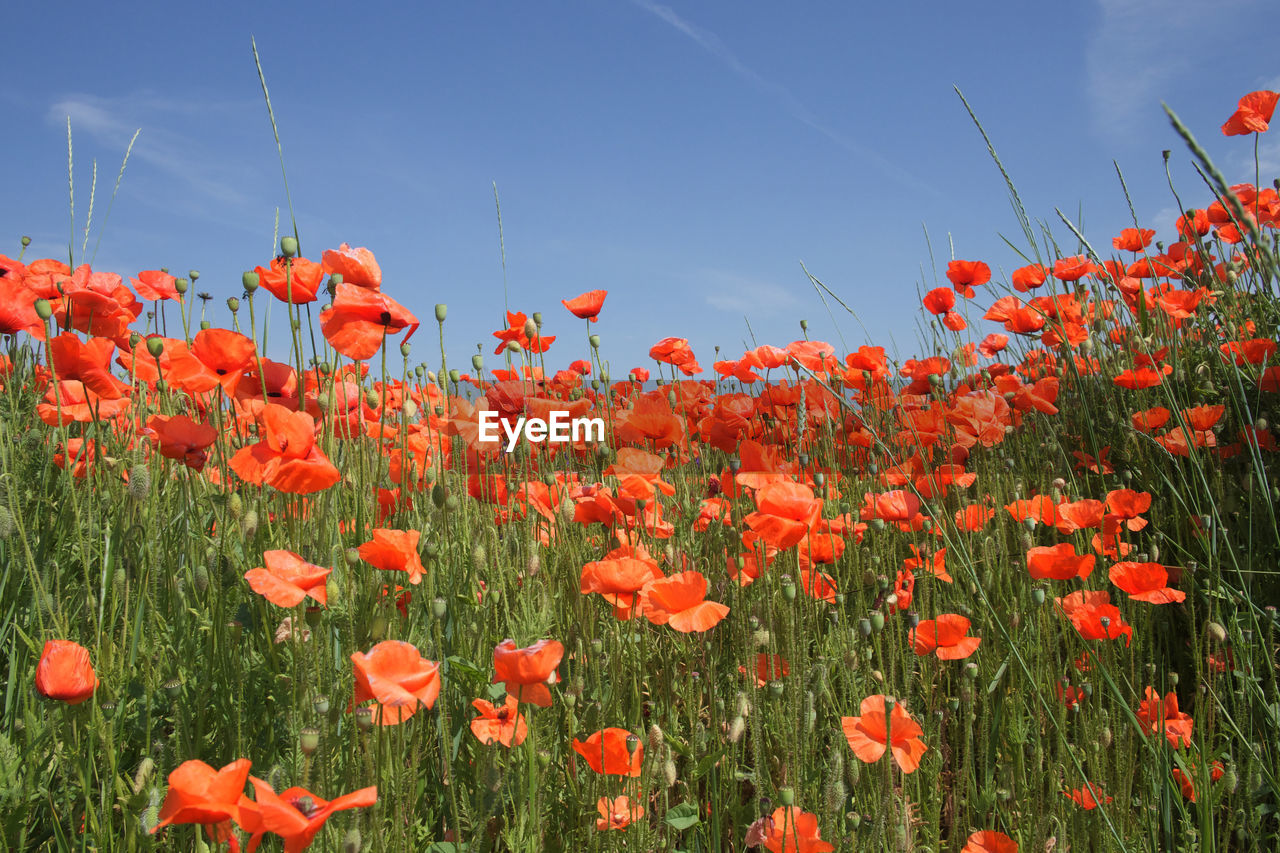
[378, 628]
[309, 740]
[289, 246]
[1230, 779]
[351, 842]
[513, 346]
[364, 718]
[1216, 632]
[669, 771]
[442, 311]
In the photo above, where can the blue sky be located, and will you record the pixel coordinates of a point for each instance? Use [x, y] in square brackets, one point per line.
[687, 157]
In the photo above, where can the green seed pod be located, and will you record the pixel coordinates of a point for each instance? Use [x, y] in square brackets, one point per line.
[155, 346]
[877, 621]
[309, 740]
[289, 247]
[320, 705]
[181, 285]
[442, 311]
[786, 796]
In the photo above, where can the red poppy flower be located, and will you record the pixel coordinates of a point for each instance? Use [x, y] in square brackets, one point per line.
[398, 678]
[1028, 278]
[791, 830]
[287, 579]
[612, 752]
[287, 459]
[361, 319]
[586, 306]
[1059, 562]
[199, 794]
[356, 266]
[296, 815]
[155, 285]
[768, 668]
[65, 673]
[993, 344]
[989, 841]
[946, 636]
[1252, 115]
[1187, 786]
[965, 275]
[680, 601]
[617, 813]
[527, 672]
[1086, 797]
[869, 736]
[1158, 716]
[1145, 582]
[180, 438]
[499, 724]
[940, 300]
[294, 280]
[786, 513]
[395, 551]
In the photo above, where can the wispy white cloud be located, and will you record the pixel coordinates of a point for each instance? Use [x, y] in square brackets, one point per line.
[1142, 47]
[112, 121]
[738, 294]
[785, 98]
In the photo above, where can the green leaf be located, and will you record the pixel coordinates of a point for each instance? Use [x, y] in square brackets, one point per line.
[683, 816]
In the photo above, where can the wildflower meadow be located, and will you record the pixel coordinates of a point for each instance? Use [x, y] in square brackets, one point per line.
[313, 582]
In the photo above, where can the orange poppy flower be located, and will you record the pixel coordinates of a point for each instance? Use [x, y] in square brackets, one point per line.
[768, 668]
[936, 564]
[791, 830]
[199, 794]
[295, 280]
[527, 672]
[612, 752]
[898, 505]
[1158, 715]
[356, 266]
[1094, 616]
[360, 319]
[680, 601]
[155, 285]
[180, 438]
[1253, 114]
[1086, 797]
[394, 551]
[296, 815]
[1187, 786]
[1059, 562]
[287, 458]
[619, 578]
[946, 636]
[1133, 239]
[1079, 515]
[870, 734]
[586, 306]
[786, 513]
[1145, 582]
[989, 841]
[504, 725]
[617, 813]
[398, 678]
[65, 673]
[287, 579]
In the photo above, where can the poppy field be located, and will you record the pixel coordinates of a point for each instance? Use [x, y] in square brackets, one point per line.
[1017, 592]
